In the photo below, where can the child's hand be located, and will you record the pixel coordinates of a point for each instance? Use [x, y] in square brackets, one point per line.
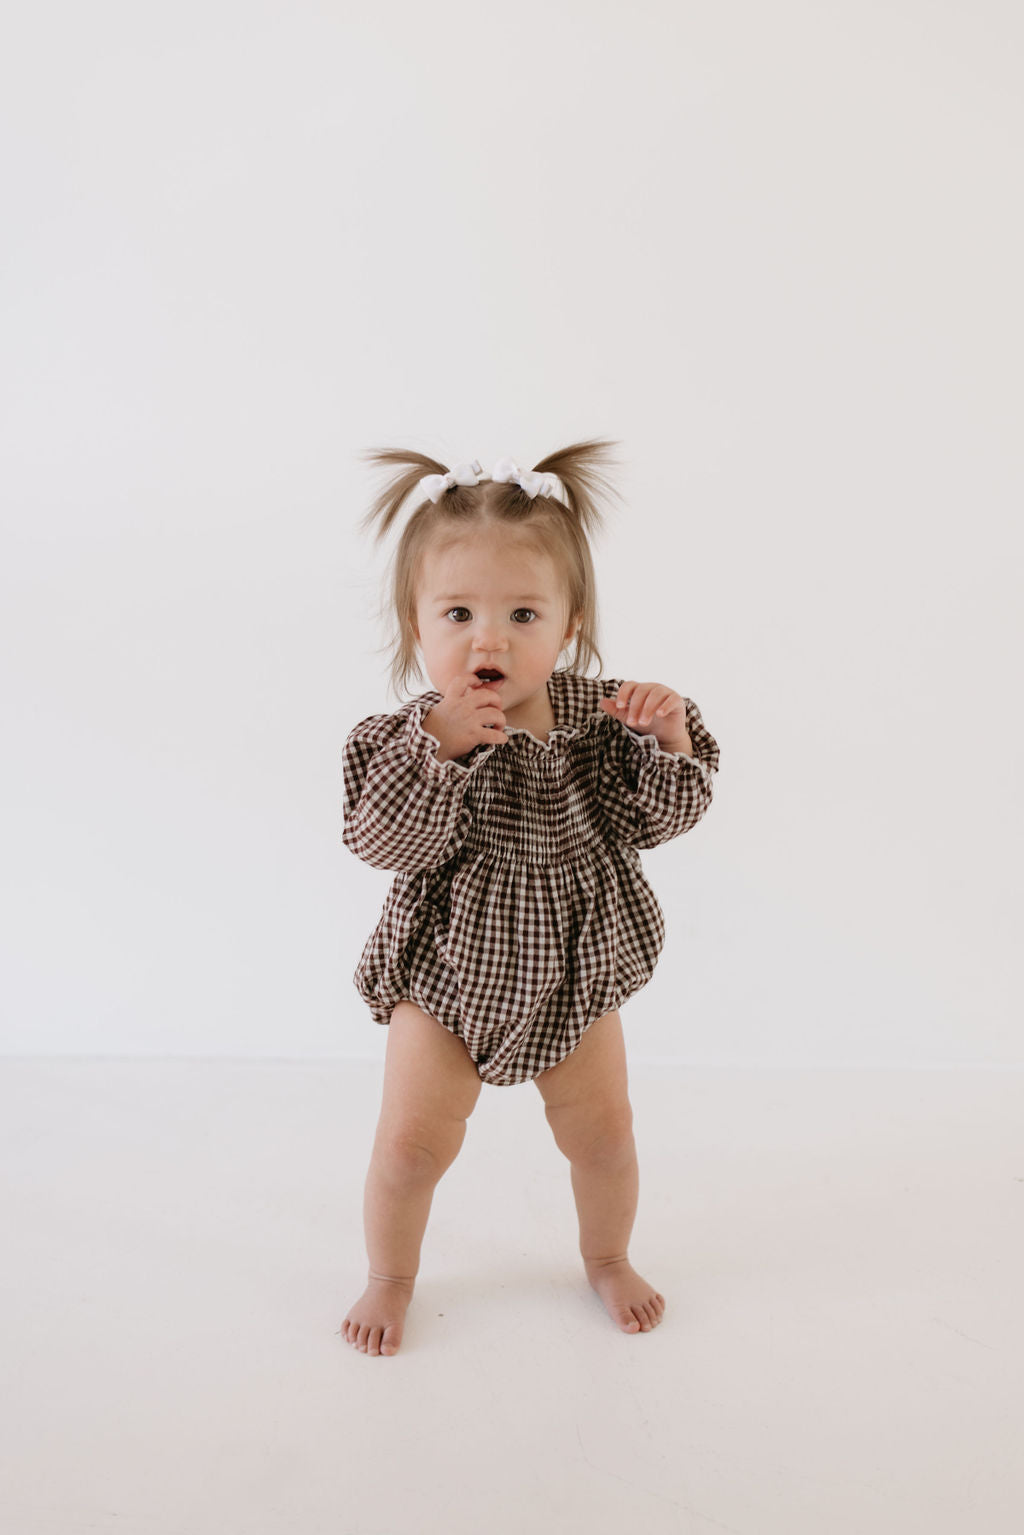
[655, 710]
[469, 713]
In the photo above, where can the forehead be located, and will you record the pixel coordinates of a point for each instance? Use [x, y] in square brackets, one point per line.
[494, 565]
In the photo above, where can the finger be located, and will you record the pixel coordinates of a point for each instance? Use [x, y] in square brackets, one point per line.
[638, 702]
[656, 695]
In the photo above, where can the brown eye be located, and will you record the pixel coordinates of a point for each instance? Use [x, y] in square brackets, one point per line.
[525, 610]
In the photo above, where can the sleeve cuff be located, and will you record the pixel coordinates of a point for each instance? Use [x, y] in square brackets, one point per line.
[653, 754]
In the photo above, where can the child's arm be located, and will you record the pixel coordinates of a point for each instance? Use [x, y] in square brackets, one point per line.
[650, 794]
[403, 808]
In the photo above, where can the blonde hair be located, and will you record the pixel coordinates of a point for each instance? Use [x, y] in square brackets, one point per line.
[560, 531]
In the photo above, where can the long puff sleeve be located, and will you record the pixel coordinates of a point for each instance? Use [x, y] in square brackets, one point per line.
[403, 809]
[648, 795]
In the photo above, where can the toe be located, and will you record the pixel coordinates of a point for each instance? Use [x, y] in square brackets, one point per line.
[627, 1321]
[391, 1339]
[373, 1342]
[641, 1315]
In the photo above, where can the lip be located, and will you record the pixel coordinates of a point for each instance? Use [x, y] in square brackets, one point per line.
[489, 683]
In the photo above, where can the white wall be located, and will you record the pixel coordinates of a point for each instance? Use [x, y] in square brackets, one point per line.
[774, 250]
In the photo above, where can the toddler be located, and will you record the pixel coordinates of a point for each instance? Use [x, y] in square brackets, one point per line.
[511, 800]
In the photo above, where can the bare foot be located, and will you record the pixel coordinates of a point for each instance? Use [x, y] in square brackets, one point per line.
[629, 1300]
[374, 1324]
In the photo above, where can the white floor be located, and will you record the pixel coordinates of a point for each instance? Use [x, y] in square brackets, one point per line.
[842, 1254]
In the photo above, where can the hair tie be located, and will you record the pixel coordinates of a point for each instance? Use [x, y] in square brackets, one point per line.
[506, 471]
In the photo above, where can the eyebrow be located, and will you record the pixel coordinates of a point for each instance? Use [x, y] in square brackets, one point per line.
[462, 597]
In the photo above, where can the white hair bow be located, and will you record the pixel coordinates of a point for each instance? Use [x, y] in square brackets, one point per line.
[506, 470]
[435, 485]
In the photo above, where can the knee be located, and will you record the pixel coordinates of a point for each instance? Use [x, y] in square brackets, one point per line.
[418, 1154]
[594, 1133]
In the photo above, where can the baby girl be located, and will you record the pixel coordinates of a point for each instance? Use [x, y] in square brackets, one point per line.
[510, 800]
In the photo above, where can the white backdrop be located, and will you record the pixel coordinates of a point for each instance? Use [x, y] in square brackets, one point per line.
[775, 251]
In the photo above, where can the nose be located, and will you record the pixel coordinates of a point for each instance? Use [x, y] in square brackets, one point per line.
[487, 642]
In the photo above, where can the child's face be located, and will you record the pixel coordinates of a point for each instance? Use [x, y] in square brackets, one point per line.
[492, 601]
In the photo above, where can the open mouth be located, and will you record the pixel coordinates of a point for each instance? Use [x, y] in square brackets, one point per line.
[490, 674]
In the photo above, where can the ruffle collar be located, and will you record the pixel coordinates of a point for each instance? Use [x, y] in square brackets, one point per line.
[575, 703]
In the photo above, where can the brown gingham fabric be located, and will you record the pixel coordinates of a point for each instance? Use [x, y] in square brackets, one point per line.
[520, 913]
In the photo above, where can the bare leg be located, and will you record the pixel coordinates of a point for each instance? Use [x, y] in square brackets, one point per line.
[587, 1105]
[430, 1088]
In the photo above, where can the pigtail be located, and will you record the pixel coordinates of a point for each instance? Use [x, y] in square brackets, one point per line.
[579, 467]
[414, 466]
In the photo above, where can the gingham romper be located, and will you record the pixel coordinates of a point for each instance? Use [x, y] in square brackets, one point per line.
[520, 913]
